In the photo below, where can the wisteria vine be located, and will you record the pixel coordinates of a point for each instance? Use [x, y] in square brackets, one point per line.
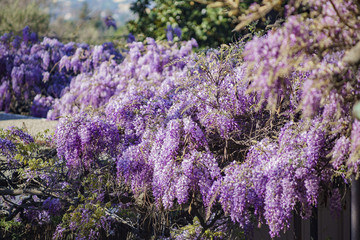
[163, 141]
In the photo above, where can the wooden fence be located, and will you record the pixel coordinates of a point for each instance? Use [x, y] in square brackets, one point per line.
[324, 225]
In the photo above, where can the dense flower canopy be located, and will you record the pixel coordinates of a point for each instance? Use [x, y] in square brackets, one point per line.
[214, 141]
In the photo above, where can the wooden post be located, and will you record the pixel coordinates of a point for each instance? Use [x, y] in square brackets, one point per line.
[314, 224]
[355, 209]
[297, 226]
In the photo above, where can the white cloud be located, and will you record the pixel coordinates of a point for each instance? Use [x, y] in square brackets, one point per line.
[67, 16]
[66, 4]
[123, 7]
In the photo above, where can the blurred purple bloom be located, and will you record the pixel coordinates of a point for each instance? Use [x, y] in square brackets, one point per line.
[26, 34]
[41, 105]
[178, 32]
[131, 38]
[169, 33]
[6, 37]
[83, 46]
[34, 37]
[6, 96]
[110, 22]
[16, 42]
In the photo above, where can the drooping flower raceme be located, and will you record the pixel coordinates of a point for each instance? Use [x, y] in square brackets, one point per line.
[82, 142]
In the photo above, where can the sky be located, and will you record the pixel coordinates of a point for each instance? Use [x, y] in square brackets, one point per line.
[119, 9]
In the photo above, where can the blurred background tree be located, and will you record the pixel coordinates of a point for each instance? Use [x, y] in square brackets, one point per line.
[211, 23]
[267, 14]
[88, 26]
[209, 26]
[15, 15]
